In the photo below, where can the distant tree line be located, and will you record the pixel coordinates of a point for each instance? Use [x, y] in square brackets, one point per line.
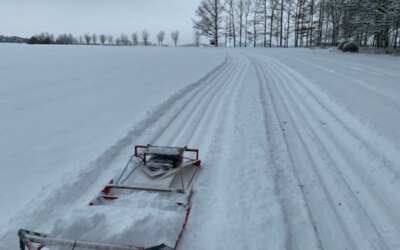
[134, 39]
[12, 39]
[299, 23]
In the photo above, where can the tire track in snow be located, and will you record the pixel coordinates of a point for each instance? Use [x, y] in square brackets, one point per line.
[374, 199]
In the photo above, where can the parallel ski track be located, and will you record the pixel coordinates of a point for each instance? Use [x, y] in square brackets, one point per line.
[313, 200]
[181, 121]
[193, 103]
[340, 176]
[205, 120]
[148, 130]
[352, 215]
[211, 134]
[372, 157]
[331, 181]
[288, 206]
[378, 153]
[389, 100]
[181, 130]
[376, 199]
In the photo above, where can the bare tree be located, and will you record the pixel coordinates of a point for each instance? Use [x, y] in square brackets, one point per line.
[65, 39]
[231, 27]
[145, 37]
[273, 5]
[258, 10]
[320, 10]
[110, 39]
[247, 5]
[103, 39]
[124, 40]
[175, 37]
[281, 24]
[209, 15]
[314, 22]
[160, 37]
[94, 38]
[135, 39]
[197, 36]
[43, 38]
[88, 38]
[80, 40]
[265, 17]
[288, 24]
[227, 30]
[240, 9]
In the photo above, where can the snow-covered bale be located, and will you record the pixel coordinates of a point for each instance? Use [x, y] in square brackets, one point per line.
[350, 47]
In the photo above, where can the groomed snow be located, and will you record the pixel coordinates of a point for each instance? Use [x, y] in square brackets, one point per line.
[62, 106]
[299, 149]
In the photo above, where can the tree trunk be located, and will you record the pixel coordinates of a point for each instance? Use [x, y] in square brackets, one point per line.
[240, 22]
[287, 28]
[311, 26]
[386, 37]
[226, 31]
[270, 30]
[326, 29]
[365, 38]
[281, 30]
[396, 36]
[216, 22]
[333, 29]
[233, 23]
[320, 22]
[245, 30]
[254, 30]
[301, 22]
[265, 23]
[296, 24]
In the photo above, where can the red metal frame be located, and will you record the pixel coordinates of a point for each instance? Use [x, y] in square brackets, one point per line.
[188, 208]
[106, 191]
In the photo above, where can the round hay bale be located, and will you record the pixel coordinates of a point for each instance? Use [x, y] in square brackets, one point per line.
[350, 47]
[341, 45]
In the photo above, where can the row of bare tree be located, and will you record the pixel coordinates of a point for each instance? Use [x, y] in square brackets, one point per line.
[280, 23]
[95, 39]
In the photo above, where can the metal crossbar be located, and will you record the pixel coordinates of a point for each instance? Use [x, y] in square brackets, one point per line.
[26, 236]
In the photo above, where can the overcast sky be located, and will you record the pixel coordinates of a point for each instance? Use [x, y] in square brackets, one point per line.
[28, 17]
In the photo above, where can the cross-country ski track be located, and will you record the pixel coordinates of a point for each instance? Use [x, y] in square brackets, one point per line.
[285, 165]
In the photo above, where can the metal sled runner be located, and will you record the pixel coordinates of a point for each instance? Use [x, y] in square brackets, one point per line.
[169, 171]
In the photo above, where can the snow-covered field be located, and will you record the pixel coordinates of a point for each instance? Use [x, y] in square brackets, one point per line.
[300, 148]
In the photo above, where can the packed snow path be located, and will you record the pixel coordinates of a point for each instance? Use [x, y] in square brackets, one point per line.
[288, 161]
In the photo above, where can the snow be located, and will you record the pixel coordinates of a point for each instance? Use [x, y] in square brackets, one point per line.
[61, 107]
[110, 224]
[299, 147]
